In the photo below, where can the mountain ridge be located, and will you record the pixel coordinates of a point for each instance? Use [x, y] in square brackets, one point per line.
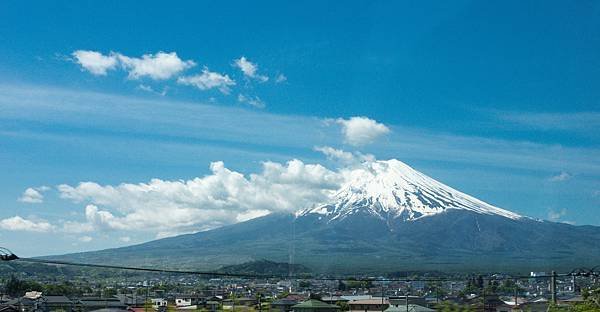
[388, 217]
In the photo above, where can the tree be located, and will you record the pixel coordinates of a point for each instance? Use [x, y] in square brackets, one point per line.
[344, 306]
[304, 284]
[16, 288]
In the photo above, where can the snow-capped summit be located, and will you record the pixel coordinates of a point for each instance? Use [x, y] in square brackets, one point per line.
[391, 189]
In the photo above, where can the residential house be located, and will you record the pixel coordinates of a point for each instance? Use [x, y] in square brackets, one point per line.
[366, 305]
[313, 305]
[239, 303]
[159, 304]
[334, 299]
[409, 308]
[87, 304]
[401, 300]
[283, 305]
[57, 303]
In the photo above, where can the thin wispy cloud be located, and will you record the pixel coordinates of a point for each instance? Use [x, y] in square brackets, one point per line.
[254, 101]
[85, 239]
[208, 80]
[149, 89]
[249, 69]
[193, 122]
[563, 176]
[573, 121]
[281, 78]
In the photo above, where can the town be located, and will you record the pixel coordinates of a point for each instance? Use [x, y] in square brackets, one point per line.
[161, 292]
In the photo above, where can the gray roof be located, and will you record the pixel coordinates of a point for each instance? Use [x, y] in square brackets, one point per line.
[411, 308]
[57, 299]
[314, 304]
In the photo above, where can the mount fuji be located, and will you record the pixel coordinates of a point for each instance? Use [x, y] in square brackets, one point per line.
[387, 217]
[391, 189]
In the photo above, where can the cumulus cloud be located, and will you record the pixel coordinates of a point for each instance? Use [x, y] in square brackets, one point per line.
[249, 69]
[125, 239]
[159, 66]
[33, 195]
[360, 131]
[95, 62]
[563, 176]
[222, 197]
[252, 101]
[208, 80]
[18, 223]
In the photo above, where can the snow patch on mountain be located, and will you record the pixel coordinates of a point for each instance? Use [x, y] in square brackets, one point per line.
[390, 189]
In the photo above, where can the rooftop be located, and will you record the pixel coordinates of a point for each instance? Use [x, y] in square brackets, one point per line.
[313, 303]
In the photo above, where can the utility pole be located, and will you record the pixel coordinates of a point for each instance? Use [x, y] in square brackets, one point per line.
[382, 296]
[146, 300]
[259, 303]
[553, 287]
[483, 297]
[516, 304]
[407, 291]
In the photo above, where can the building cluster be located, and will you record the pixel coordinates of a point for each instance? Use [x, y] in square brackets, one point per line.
[318, 295]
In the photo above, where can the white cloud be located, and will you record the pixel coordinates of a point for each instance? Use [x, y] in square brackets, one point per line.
[557, 216]
[159, 66]
[252, 101]
[208, 80]
[335, 154]
[18, 223]
[563, 176]
[125, 239]
[280, 78]
[77, 227]
[222, 197]
[359, 131]
[95, 62]
[249, 69]
[149, 89]
[85, 239]
[345, 158]
[33, 195]
[251, 214]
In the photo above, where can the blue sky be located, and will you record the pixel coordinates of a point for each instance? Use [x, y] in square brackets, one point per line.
[499, 100]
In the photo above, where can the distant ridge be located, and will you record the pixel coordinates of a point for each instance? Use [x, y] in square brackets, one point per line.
[265, 267]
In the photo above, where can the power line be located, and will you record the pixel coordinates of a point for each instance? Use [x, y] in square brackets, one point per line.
[7, 255]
